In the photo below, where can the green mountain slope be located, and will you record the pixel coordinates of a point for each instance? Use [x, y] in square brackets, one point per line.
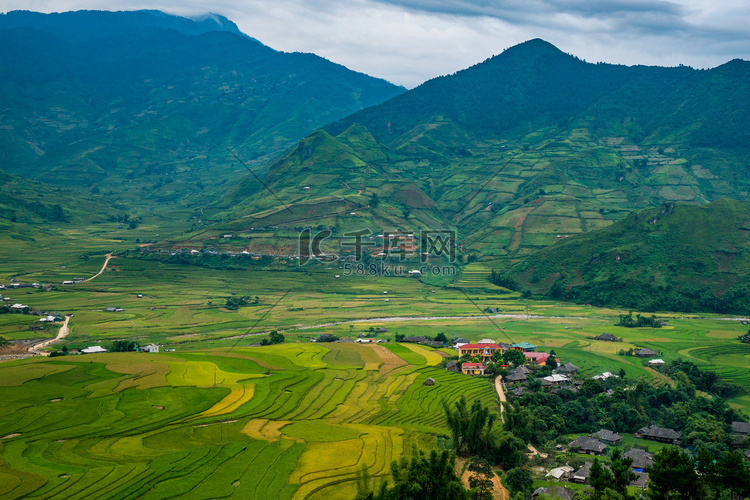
[674, 257]
[149, 107]
[526, 148]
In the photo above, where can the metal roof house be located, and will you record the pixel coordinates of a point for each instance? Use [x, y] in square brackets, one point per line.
[523, 346]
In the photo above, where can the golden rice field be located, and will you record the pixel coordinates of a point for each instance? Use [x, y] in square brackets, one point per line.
[294, 420]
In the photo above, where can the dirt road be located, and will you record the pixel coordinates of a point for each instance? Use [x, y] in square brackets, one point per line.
[64, 331]
[106, 261]
[498, 490]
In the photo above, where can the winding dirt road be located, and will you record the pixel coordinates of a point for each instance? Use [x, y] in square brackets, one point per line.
[106, 261]
[64, 331]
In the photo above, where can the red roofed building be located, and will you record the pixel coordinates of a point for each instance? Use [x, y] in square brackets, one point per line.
[538, 358]
[483, 351]
[473, 368]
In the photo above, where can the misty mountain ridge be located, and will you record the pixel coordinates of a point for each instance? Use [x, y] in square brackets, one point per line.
[128, 101]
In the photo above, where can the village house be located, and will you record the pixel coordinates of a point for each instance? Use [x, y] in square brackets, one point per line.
[640, 481]
[607, 436]
[741, 428]
[660, 434]
[655, 362]
[517, 374]
[645, 353]
[537, 358]
[473, 368]
[93, 349]
[150, 348]
[581, 476]
[642, 459]
[523, 347]
[560, 473]
[604, 376]
[556, 379]
[568, 368]
[482, 350]
[607, 337]
[588, 445]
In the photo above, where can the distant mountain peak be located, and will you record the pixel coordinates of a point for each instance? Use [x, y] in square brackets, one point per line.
[82, 25]
[535, 47]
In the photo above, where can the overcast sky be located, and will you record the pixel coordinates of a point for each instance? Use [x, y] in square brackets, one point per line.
[410, 41]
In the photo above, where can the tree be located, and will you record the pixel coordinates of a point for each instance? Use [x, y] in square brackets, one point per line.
[733, 475]
[471, 428]
[424, 477]
[480, 481]
[440, 337]
[514, 357]
[374, 200]
[4, 342]
[673, 471]
[600, 478]
[124, 346]
[622, 473]
[276, 337]
[519, 481]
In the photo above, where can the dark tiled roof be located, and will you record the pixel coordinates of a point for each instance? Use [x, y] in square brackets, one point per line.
[606, 435]
[645, 352]
[641, 458]
[640, 481]
[567, 368]
[741, 427]
[607, 336]
[659, 432]
[588, 444]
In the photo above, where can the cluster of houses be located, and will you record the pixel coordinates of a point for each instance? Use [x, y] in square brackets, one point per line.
[99, 349]
[486, 348]
[596, 444]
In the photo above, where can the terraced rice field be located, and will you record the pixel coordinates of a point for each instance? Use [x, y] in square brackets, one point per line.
[287, 421]
[476, 275]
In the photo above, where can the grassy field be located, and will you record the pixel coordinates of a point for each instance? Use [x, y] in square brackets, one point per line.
[297, 420]
[287, 421]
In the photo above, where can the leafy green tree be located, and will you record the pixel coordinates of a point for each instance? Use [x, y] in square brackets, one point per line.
[734, 475]
[513, 357]
[440, 337]
[519, 481]
[600, 478]
[4, 342]
[471, 428]
[124, 346]
[672, 475]
[480, 481]
[622, 473]
[276, 337]
[424, 477]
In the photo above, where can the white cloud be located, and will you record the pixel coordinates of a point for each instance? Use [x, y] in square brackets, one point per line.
[410, 41]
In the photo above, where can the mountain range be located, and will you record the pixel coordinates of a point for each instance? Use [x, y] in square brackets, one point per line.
[128, 102]
[533, 156]
[528, 147]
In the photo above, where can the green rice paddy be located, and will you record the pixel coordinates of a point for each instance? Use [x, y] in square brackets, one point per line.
[221, 417]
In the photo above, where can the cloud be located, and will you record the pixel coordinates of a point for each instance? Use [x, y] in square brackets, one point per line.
[410, 41]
